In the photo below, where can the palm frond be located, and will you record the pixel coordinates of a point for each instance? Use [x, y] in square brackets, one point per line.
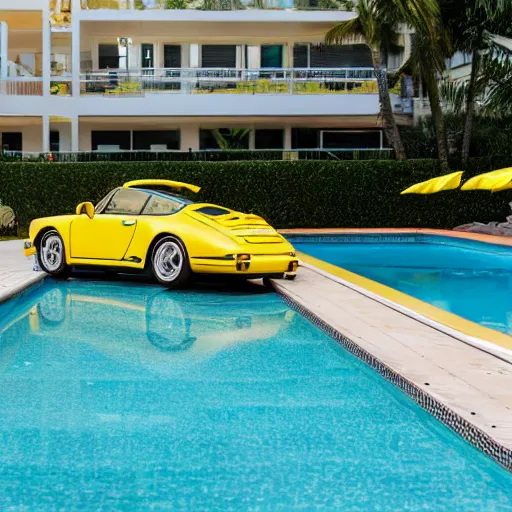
[453, 95]
[419, 14]
[344, 31]
[491, 7]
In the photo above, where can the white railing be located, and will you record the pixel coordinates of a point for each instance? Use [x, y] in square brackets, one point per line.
[212, 5]
[230, 81]
[21, 86]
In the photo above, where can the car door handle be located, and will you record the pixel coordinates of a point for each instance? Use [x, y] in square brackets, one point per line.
[129, 222]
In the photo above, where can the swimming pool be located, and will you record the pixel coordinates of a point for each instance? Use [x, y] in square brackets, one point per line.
[470, 279]
[124, 396]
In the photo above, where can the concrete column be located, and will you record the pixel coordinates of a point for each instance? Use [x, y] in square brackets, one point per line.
[4, 46]
[47, 49]
[75, 47]
[189, 135]
[75, 134]
[45, 146]
[252, 138]
[288, 54]
[194, 55]
[287, 138]
[185, 55]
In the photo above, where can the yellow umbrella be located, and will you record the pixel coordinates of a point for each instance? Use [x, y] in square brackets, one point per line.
[446, 182]
[494, 181]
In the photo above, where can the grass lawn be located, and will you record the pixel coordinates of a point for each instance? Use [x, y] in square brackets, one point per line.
[4, 238]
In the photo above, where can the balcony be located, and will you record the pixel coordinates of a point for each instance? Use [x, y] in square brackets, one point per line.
[231, 81]
[209, 92]
[21, 86]
[210, 5]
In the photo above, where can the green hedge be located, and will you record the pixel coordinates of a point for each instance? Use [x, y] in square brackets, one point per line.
[287, 194]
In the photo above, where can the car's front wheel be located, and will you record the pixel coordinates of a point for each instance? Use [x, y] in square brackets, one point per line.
[169, 262]
[52, 255]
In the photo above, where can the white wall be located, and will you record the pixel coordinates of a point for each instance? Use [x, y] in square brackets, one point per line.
[32, 135]
[21, 5]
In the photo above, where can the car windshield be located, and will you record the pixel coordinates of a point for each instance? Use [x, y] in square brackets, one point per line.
[103, 203]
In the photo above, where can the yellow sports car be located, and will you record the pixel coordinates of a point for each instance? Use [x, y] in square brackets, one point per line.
[138, 227]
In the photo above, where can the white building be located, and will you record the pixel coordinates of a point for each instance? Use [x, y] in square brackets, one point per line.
[97, 75]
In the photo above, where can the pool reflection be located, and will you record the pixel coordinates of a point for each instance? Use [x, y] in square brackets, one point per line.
[152, 324]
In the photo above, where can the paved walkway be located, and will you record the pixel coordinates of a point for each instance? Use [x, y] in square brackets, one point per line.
[15, 270]
[475, 385]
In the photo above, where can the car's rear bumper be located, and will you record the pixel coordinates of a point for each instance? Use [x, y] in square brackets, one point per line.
[256, 265]
[28, 248]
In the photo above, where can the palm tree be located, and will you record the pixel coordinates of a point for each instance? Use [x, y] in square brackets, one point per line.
[426, 61]
[496, 77]
[379, 37]
[469, 21]
[377, 22]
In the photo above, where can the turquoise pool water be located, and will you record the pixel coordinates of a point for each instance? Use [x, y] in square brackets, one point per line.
[470, 279]
[125, 396]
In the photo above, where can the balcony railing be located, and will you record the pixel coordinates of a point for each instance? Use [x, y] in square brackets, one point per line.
[21, 86]
[230, 81]
[212, 5]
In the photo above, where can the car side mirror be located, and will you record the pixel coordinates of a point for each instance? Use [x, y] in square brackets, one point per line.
[87, 208]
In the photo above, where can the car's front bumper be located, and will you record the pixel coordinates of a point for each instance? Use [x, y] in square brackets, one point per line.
[256, 265]
[28, 248]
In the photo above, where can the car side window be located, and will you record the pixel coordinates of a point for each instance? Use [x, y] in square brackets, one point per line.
[162, 206]
[127, 201]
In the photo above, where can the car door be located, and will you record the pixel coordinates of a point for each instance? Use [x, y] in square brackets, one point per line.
[108, 234]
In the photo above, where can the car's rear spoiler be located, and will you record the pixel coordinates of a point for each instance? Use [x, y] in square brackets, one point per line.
[162, 183]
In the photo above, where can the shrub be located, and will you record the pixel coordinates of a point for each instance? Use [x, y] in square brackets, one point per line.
[287, 193]
[8, 223]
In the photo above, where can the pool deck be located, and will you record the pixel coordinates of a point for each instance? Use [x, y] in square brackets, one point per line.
[16, 272]
[473, 384]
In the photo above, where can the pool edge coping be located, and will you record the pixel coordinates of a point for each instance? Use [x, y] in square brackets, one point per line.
[490, 341]
[22, 288]
[443, 413]
[475, 237]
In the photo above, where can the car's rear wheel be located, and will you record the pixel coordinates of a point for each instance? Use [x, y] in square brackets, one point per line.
[169, 262]
[52, 254]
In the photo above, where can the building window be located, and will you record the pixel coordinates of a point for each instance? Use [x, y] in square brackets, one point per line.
[108, 56]
[155, 140]
[314, 138]
[12, 141]
[146, 55]
[172, 56]
[346, 139]
[459, 59]
[172, 59]
[269, 139]
[224, 138]
[271, 56]
[107, 140]
[54, 141]
[305, 138]
[322, 56]
[301, 55]
[218, 56]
